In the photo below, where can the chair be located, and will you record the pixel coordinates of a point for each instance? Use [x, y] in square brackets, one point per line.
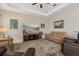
[29, 52]
[3, 49]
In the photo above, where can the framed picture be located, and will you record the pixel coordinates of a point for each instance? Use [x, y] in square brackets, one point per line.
[42, 25]
[31, 26]
[13, 24]
[59, 24]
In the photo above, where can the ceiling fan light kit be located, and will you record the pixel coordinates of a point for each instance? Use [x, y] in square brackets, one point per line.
[54, 5]
[34, 3]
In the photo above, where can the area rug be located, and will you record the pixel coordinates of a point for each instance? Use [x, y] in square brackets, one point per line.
[43, 47]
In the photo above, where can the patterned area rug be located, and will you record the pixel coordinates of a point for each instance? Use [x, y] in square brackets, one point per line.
[43, 47]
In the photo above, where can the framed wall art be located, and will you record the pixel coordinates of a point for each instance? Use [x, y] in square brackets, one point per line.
[42, 25]
[31, 26]
[59, 24]
[13, 24]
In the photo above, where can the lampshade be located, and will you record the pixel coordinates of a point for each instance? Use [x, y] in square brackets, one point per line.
[3, 29]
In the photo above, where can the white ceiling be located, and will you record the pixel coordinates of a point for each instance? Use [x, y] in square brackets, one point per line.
[28, 8]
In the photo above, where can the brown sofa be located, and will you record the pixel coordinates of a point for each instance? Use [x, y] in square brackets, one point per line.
[57, 36]
[70, 47]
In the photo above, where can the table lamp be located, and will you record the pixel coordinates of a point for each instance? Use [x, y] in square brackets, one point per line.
[2, 32]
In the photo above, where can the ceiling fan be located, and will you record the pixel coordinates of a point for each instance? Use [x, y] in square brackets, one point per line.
[41, 6]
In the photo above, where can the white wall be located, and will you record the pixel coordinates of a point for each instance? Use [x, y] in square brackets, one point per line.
[70, 17]
[0, 19]
[71, 20]
[22, 19]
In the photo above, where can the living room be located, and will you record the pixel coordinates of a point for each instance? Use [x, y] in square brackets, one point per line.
[63, 18]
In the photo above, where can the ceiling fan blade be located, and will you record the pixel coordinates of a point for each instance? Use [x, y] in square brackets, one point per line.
[41, 6]
[34, 3]
[54, 5]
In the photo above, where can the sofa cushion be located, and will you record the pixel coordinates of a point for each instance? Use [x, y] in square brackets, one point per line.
[56, 36]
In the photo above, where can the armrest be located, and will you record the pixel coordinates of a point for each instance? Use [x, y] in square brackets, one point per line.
[3, 50]
[69, 40]
[72, 43]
